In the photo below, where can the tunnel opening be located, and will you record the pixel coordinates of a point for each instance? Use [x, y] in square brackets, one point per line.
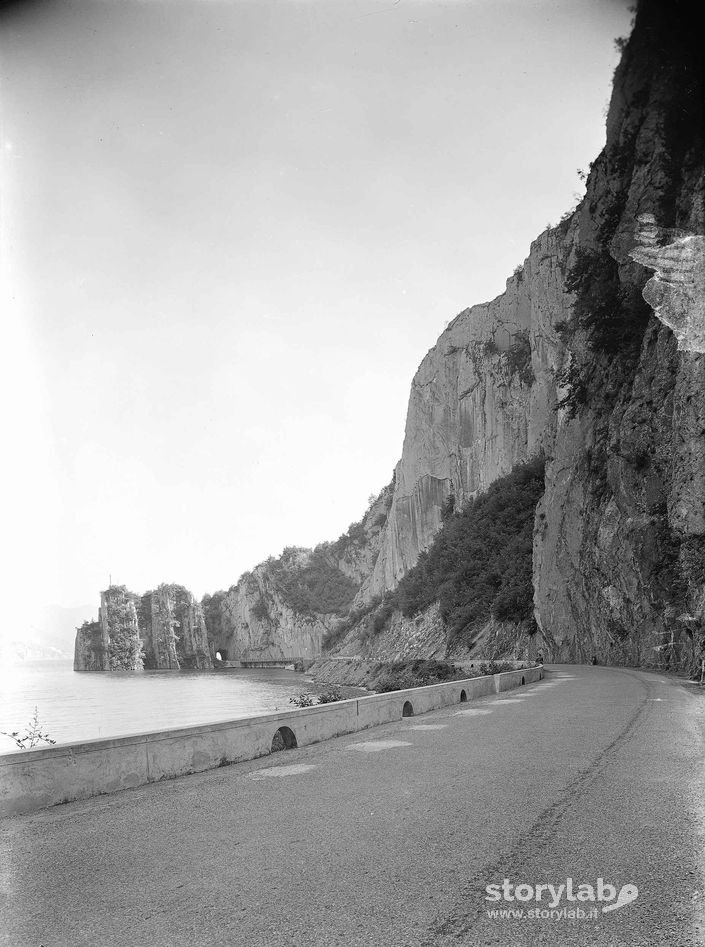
[463, 697]
[407, 709]
[221, 655]
[523, 681]
[283, 739]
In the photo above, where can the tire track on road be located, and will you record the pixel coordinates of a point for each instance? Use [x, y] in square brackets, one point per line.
[543, 830]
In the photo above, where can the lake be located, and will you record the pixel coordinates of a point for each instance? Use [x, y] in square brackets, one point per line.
[88, 705]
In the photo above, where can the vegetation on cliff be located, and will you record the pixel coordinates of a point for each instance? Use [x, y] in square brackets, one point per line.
[212, 606]
[160, 629]
[624, 483]
[517, 357]
[125, 648]
[299, 594]
[163, 617]
[191, 654]
[143, 605]
[478, 567]
[641, 553]
[609, 317]
[90, 636]
[316, 586]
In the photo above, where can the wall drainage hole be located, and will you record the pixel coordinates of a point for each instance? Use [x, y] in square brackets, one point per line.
[284, 739]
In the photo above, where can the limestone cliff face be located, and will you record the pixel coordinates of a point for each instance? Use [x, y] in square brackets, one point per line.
[619, 549]
[619, 569]
[173, 630]
[481, 402]
[570, 361]
[91, 651]
[255, 621]
[113, 642]
[193, 647]
[420, 637]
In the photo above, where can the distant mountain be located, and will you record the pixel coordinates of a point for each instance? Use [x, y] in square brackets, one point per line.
[14, 651]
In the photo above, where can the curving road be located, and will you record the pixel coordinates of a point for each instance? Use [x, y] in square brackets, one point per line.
[390, 837]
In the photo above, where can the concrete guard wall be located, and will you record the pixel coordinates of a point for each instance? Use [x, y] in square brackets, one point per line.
[36, 779]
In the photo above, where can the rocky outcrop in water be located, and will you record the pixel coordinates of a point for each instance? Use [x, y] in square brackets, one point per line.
[173, 630]
[112, 643]
[91, 648]
[164, 629]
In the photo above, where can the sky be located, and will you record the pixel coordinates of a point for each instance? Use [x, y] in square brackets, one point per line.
[229, 232]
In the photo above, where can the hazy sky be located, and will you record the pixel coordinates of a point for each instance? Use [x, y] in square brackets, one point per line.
[230, 232]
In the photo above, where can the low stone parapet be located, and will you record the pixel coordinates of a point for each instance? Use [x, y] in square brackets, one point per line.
[36, 779]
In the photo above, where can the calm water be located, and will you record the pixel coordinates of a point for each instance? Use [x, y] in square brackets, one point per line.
[88, 705]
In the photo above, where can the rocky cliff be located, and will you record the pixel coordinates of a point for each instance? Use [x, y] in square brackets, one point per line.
[91, 648]
[482, 401]
[286, 608]
[593, 356]
[164, 629]
[112, 643]
[591, 361]
[173, 630]
[618, 556]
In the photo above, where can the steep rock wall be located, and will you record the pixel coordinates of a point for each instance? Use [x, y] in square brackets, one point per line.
[173, 630]
[91, 650]
[257, 623]
[619, 547]
[193, 647]
[481, 402]
[618, 558]
[158, 626]
[112, 643]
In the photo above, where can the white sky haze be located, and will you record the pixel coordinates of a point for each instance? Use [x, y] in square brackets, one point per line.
[230, 233]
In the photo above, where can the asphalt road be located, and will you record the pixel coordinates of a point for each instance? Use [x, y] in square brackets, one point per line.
[389, 838]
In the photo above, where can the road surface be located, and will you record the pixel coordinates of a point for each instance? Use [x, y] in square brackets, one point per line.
[391, 837]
